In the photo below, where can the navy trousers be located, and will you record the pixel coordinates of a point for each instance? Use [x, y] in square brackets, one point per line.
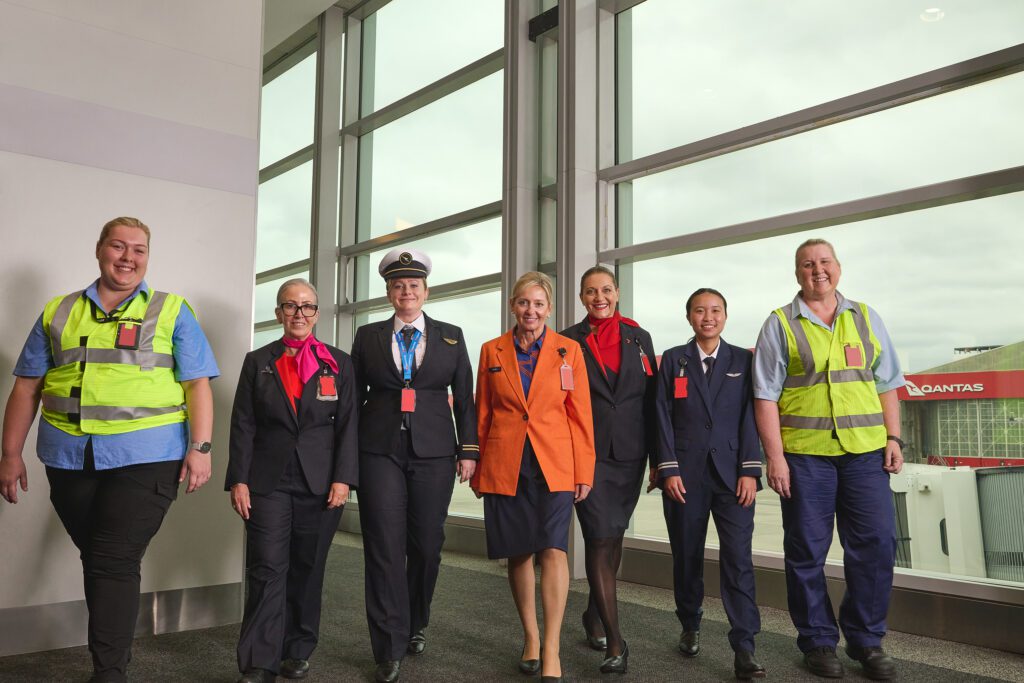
[687, 531]
[288, 537]
[403, 503]
[853, 490]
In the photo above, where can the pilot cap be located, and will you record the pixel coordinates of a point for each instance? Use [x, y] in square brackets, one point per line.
[404, 262]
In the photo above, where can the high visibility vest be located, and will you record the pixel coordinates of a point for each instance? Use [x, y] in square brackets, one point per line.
[97, 388]
[829, 404]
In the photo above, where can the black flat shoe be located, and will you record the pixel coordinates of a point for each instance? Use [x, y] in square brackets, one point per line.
[689, 643]
[598, 643]
[417, 643]
[387, 672]
[746, 667]
[257, 676]
[616, 664]
[878, 666]
[822, 661]
[294, 668]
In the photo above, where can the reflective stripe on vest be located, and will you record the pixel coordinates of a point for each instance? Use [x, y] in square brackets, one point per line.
[825, 411]
[119, 399]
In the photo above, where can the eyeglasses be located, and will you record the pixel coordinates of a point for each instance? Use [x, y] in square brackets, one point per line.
[308, 310]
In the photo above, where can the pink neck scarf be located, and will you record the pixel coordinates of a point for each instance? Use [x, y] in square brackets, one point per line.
[309, 350]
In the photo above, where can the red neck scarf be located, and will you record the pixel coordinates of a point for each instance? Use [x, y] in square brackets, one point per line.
[605, 341]
[309, 350]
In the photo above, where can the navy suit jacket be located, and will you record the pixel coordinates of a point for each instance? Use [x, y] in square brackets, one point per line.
[714, 422]
[624, 427]
[379, 384]
[266, 432]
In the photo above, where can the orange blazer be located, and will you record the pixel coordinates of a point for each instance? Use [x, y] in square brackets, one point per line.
[557, 421]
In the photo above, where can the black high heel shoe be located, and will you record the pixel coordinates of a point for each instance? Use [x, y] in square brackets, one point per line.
[598, 643]
[616, 664]
[530, 667]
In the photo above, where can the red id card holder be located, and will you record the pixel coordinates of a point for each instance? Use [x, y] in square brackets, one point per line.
[854, 357]
[647, 364]
[681, 383]
[408, 400]
[327, 390]
[565, 372]
[127, 336]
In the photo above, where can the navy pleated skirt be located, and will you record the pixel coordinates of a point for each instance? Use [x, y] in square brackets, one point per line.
[530, 521]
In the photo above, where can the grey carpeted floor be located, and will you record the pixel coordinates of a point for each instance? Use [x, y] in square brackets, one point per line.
[475, 636]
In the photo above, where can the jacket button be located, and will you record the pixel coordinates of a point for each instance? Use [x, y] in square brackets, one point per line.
[714, 450]
[525, 417]
[707, 426]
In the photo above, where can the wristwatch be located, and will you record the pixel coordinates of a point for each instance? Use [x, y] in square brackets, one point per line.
[900, 442]
[201, 446]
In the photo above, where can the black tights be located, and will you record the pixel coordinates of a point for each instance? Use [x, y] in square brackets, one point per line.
[603, 556]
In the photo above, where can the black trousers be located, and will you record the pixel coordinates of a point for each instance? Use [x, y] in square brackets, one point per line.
[403, 503]
[111, 515]
[288, 536]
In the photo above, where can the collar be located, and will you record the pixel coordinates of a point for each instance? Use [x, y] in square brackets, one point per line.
[419, 323]
[713, 354]
[801, 309]
[537, 343]
[92, 292]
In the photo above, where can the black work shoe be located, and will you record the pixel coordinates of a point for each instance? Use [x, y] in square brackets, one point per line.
[257, 676]
[295, 668]
[746, 667]
[878, 666]
[616, 664]
[417, 643]
[689, 643]
[598, 643]
[387, 672]
[822, 661]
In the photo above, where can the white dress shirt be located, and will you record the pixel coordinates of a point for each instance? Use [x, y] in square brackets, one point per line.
[421, 348]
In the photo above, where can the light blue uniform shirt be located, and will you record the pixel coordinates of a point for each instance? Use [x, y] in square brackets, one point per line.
[193, 358]
[771, 356]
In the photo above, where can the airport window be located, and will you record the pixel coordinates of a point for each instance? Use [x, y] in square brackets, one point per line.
[701, 68]
[287, 111]
[283, 219]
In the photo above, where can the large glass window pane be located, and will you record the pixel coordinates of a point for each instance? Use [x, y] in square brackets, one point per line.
[441, 159]
[940, 279]
[455, 255]
[266, 296]
[408, 44]
[286, 112]
[283, 218]
[689, 70]
[261, 339]
[962, 133]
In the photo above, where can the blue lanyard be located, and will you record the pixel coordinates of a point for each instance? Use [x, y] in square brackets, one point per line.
[407, 354]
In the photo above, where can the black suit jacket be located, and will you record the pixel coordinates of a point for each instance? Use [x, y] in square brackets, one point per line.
[266, 432]
[379, 387]
[715, 419]
[624, 424]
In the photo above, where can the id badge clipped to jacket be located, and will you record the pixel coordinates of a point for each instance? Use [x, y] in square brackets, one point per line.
[327, 388]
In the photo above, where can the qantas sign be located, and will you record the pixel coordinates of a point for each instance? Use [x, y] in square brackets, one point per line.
[960, 385]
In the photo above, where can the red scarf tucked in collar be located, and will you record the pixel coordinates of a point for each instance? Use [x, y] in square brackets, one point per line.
[605, 340]
[309, 350]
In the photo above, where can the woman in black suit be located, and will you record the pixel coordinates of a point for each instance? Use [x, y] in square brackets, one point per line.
[292, 461]
[620, 366]
[410, 450]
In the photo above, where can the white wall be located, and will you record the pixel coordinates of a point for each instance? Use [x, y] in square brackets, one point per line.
[143, 108]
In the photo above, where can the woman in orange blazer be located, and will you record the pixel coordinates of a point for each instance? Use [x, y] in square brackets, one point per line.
[536, 459]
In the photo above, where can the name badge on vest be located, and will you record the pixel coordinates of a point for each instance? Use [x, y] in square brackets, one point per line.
[854, 358]
[127, 336]
[327, 389]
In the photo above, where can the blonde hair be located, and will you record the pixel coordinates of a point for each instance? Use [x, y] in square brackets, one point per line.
[296, 281]
[814, 242]
[126, 221]
[533, 278]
